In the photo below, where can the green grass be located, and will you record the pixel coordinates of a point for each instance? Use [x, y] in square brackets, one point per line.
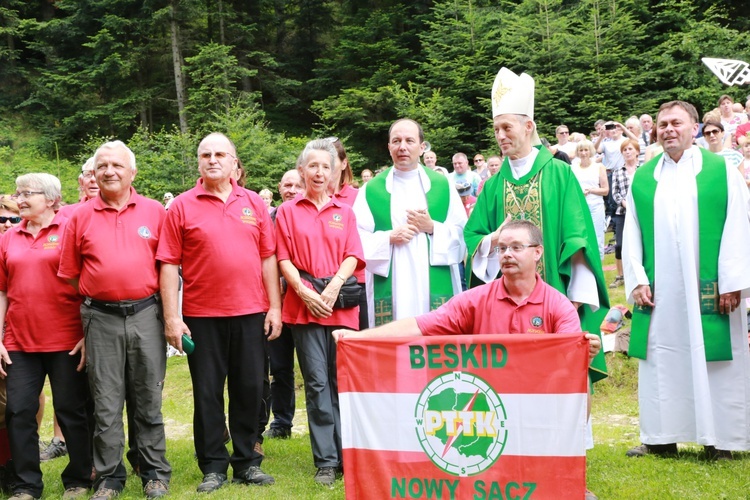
[611, 475]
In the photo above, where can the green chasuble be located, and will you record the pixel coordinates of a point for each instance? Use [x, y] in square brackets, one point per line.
[379, 202]
[551, 197]
[712, 190]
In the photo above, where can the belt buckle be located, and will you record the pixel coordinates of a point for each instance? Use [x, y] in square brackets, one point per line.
[128, 310]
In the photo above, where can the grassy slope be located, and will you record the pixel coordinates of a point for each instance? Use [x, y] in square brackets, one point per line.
[610, 474]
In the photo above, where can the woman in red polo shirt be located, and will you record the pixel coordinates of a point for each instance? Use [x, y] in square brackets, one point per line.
[317, 234]
[43, 337]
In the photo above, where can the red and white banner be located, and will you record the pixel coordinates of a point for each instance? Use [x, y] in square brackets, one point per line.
[464, 416]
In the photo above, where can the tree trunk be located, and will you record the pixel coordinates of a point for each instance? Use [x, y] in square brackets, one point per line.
[179, 80]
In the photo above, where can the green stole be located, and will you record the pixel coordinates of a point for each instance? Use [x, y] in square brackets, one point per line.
[712, 210]
[379, 201]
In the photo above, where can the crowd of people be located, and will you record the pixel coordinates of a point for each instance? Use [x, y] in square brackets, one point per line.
[220, 273]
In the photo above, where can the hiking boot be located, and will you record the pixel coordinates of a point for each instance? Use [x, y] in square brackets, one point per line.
[713, 454]
[155, 488]
[325, 476]
[253, 475]
[618, 282]
[75, 492]
[652, 449]
[278, 433]
[104, 493]
[56, 448]
[212, 482]
[22, 495]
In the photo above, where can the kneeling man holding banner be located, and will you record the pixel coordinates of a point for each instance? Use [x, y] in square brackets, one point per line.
[473, 417]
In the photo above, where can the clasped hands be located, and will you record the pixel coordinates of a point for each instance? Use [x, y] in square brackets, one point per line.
[417, 221]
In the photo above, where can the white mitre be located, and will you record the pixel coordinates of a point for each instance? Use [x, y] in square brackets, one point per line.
[514, 94]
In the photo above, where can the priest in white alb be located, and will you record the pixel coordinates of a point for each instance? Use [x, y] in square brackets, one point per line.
[411, 221]
[686, 268]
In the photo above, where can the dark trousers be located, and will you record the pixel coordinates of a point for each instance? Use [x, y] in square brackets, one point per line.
[364, 317]
[282, 385]
[265, 403]
[226, 349]
[619, 222]
[72, 404]
[316, 352]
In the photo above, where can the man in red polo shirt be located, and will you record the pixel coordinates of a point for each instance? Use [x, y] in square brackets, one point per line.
[517, 302]
[108, 254]
[224, 239]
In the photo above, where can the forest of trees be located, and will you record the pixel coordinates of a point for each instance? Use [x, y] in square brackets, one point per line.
[159, 74]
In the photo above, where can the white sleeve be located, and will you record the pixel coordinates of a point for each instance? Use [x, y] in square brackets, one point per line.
[447, 240]
[632, 250]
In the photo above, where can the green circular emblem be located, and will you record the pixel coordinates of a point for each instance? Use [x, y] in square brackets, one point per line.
[460, 423]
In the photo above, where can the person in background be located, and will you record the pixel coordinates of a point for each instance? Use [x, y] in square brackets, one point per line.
[9, 214]
[564, 143]
[493, 165]
[621, 180]
[713, 131]
[281, 350]
[366, 175]
[480, 167]
[430, 161]
[267, 196]
[317, 237]
[32, 297]
[633, 124]
[9, 218]
[168, 197]
[592, 177]
[744, 143]
[729, 119]
[341, 178]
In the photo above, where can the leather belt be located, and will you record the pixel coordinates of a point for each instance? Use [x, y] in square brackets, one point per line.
[125, 308]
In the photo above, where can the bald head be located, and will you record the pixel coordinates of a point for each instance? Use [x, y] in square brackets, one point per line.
[290, 185]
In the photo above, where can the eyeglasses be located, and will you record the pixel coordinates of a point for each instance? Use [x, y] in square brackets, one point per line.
[478, 159]
[88, 174]
[501, 249]
[12, 220]
[25, 194]
[219, 155]
[709, 133]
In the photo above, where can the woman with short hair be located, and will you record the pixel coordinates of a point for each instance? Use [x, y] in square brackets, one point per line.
[33, 297]
[316, 237]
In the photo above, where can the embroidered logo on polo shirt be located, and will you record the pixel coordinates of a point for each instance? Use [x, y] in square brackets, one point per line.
[536, 321]
[53, 241]
[336, 222]
[247, 216]
[144, 232]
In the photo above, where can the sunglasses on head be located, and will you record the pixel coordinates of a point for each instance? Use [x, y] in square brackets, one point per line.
[13, 220]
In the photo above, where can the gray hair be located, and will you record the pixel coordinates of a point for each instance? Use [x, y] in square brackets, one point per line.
[46, 183]
[115, 145]
[460, 155]
[324, 145]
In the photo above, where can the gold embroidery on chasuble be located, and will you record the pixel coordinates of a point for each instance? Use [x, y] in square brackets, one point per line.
[524, 202]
